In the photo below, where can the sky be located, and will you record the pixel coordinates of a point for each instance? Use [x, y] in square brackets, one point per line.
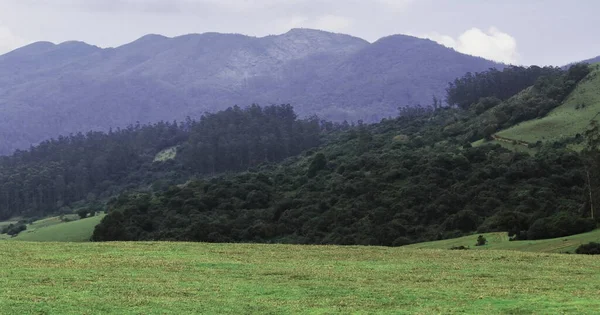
[524, 32]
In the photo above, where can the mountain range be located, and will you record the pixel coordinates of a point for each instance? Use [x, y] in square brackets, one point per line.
[48, 90]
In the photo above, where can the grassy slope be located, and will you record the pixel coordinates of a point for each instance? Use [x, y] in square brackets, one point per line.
[196, 278]
[564, 121]
[499, 241]
[43, 223]
[75, 231]
[6, 223]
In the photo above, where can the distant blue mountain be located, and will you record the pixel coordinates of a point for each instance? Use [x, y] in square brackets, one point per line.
[47, 89]
[593, 60]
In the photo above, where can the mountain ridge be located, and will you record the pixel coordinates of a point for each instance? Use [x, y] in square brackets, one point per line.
[55, 89]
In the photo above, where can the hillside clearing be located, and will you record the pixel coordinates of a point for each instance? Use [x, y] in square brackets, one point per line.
[47, 222]
[74, 231]
[565, 121]
[193, 278]
[166, 154]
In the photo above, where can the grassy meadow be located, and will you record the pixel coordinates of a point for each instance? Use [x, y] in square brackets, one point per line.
[53, 229]
[74, 231]
[198, 278]
[500, 241]
[566, 120]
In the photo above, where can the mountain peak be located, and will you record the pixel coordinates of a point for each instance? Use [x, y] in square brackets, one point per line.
[315, 33]
[152, 37]
[302, 31]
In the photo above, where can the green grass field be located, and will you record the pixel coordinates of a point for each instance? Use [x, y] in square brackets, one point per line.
[197, 278]
[53, 230]
[500, 241]
[46, 222]
[564, 121]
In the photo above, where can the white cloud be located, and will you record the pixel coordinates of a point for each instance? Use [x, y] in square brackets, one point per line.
[493, 44]
[8, 40]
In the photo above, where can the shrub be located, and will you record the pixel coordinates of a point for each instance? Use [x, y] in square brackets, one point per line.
[481, 241]
[14, 229]
[83, 213]
[589, 249]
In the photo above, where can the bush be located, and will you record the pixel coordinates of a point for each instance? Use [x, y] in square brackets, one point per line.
[481, 241]
[461, 247]
[83, 213]
[589, 249]
[14, 229]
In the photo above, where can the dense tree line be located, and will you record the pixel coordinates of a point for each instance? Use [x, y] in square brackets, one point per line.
[466, 92]
[494, 114]
[83, 169]
[53, 175]
[397, 182]
[236, 138]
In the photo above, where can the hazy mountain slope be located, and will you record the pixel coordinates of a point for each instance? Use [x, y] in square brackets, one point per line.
[47, 89]
[592, 60]
[395, 71]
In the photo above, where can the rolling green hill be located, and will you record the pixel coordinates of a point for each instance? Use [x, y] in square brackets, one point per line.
[500, 241]
[53, 230]
[199, 278]
[47, 222]
[565, 121]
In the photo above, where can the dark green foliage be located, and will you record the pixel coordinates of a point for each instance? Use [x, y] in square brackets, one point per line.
[387, 192]
[589, 249]
[494, 113]
[318, 163]
[469, 89]
[235, 139]
[461, 247]
[486, 103]
[14, 229]
[591, 157]
[561, 224]
[86, 169]
[83, 213]
[481, 241]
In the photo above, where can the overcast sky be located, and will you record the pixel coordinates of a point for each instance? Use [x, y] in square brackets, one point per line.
[527, 32]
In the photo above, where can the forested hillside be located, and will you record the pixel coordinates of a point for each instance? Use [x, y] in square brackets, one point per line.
[262, 175]
[396, 182]
[48, 90]
[86, 169]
